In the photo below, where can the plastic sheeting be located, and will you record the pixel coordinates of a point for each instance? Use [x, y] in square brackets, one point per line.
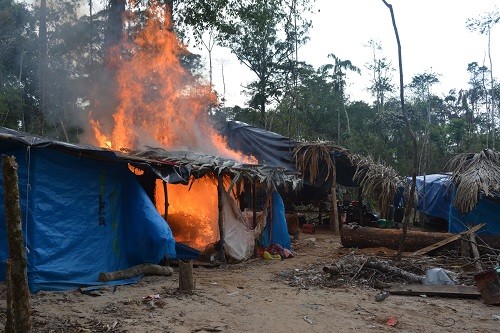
[434, 195]
[82, 217]
[275, 150]
[239, 241]
[276, 231]
[436, 199]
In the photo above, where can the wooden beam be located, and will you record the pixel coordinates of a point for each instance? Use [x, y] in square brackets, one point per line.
[165, 193]
[454, 291]
[447, 240]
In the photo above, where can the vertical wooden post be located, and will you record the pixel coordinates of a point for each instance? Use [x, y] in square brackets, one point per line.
[220, 189]
[18, 277]
[475, 252]
[360, 206]
[334, 217]
[254, 202]
[186, 281]
[270, 217]
[165, 193]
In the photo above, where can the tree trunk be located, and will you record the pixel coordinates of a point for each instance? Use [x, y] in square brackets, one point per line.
[38, 124]
[186, 281]
[18, 277]
[334, 217]
[10, 324]
[410, 204]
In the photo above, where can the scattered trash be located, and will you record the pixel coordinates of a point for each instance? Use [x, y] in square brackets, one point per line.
[439, 276]
[268, 256]
[234, 293]
[154, 300]
[382, 296]
[496, 317]
[488, 284]
[151, 297]
[391, 321]
[307, 320]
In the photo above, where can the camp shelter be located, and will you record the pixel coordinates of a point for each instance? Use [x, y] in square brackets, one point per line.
[87, 210]
[316, 161]
[436, 197]
[83, 212]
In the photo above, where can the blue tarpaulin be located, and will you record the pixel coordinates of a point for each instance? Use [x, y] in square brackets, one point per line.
[81, 217]
[435, 198]
[434, 195]
[276, 231]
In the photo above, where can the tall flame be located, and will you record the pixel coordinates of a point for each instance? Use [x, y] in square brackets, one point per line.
[160, 103]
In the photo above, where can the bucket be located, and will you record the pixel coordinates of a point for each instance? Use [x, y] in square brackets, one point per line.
[488, 285]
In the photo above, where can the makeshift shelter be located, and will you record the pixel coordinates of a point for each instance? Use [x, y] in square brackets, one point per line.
[316, 162]
[83, 212]
[436, 197]
[87, 210]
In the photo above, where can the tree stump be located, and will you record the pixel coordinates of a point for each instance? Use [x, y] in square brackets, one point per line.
[186, 281]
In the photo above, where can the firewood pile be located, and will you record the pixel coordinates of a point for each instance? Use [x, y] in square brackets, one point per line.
[353, 270]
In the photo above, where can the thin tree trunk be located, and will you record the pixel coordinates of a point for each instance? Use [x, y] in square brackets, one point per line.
[10, 324]
[334, 217]
[410, 204]
[18, 277]
[42, 68]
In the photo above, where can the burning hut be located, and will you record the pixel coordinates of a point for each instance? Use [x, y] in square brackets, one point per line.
[87, 210]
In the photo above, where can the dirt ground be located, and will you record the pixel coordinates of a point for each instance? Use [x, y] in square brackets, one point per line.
[256, 296]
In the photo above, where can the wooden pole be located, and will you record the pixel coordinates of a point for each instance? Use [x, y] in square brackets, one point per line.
[254, 202]
[165, 193]
[360, 205]
[334, 217]
[186, 281]
[18, 277]
[220, 189]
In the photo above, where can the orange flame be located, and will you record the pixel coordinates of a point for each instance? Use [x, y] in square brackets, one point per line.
[192, 211]
[160, 103]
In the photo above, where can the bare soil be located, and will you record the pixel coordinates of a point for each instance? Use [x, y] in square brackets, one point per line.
[257, 296]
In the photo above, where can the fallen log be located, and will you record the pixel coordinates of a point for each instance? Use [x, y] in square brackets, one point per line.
[143, 269]
[367, 237]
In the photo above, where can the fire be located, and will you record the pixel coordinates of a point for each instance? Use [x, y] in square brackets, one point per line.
[192, 211]
[160, 103]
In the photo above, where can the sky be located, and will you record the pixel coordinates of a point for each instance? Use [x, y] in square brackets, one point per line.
[433, 33]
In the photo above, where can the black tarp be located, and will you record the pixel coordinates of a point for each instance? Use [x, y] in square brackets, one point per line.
[276, 150]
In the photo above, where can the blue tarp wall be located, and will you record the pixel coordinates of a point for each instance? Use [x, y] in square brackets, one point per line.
[276, 230]
[81, 217]
[437, 200]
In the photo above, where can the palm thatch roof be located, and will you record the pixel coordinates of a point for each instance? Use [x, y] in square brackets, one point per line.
[377, 180]
[472, 174]
[309, 156]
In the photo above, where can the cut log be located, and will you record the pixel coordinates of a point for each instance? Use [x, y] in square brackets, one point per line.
[456, 291]
[143, 269]
[186, 281]
[366, 237]
[447, 240]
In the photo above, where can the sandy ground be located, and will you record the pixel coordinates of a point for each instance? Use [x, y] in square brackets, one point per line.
[254, 297]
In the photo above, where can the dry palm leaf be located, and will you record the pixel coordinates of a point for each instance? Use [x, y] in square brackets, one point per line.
[473, 174]
[309, 156]
[377, 180]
